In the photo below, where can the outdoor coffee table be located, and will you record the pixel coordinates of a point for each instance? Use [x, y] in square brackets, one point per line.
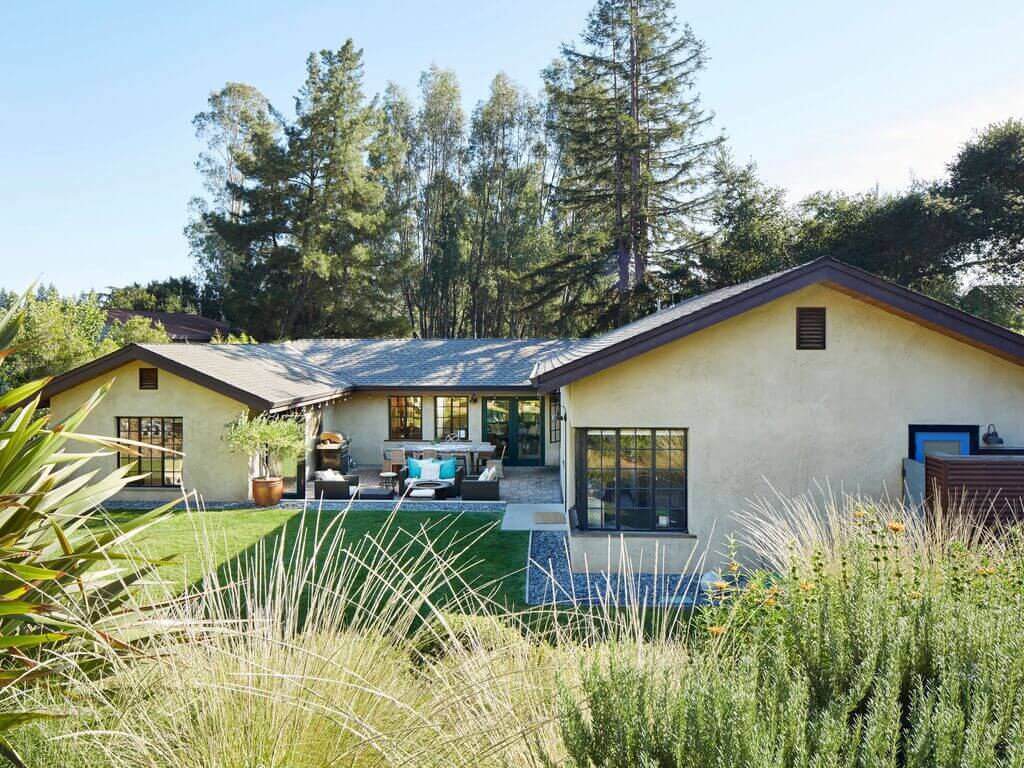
[429, 489]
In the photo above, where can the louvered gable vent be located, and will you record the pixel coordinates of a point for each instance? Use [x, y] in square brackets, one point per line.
[810, 328]
[147, 378]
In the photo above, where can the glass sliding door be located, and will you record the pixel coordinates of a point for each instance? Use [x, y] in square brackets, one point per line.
[517, 425]
[528, 428]
[497, 418]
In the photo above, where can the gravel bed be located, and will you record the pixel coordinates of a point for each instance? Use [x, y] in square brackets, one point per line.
[549, 579]
[485, 507]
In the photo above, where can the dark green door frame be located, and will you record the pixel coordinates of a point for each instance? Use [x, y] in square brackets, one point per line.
[513, 456]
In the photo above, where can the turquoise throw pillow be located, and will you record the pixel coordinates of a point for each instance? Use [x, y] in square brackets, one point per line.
[448, 469]
[414, 468]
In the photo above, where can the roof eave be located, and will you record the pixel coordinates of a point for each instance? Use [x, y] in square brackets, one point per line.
[320, 398]
[468, 388]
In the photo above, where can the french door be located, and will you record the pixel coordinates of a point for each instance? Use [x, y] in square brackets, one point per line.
[515, 424]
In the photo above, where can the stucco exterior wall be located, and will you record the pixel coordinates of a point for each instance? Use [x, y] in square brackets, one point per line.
[207, 467]
[363, 418]
[762, 415]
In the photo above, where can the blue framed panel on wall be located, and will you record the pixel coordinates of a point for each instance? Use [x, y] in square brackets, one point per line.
[959, 439]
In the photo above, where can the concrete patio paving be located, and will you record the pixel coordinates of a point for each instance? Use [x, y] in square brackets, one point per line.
[524, 517]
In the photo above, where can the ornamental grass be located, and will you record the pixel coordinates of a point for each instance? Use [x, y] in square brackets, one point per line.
[863, 637]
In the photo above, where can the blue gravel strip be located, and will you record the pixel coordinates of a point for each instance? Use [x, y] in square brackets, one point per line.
[489, 508]
[549, 579]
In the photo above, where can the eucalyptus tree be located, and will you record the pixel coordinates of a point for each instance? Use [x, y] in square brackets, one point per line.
[507, 229]
[439, 154]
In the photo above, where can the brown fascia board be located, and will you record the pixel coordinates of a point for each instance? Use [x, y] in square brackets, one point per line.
[301, 402]
[399, 388]
[134, 352]
[855, 282]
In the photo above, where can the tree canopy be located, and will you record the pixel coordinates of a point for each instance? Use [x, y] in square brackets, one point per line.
[564, 212]
[58, 333]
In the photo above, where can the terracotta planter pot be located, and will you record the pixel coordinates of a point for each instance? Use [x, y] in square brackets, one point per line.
[267, 491]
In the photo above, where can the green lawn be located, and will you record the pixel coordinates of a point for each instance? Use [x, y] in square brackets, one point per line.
[223, 537]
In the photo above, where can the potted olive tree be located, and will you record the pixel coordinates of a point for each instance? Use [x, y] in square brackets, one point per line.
[271, 440]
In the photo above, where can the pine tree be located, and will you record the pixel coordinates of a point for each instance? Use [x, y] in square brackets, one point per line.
[311, 210]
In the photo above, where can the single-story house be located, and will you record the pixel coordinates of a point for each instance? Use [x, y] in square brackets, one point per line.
[819, 376]
[182, 327]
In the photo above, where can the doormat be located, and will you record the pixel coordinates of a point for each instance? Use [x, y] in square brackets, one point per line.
[548, 518]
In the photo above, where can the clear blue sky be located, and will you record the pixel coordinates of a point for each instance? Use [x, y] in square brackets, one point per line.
[97, 149]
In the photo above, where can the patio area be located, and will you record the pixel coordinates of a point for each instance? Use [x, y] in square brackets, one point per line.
[521, 485]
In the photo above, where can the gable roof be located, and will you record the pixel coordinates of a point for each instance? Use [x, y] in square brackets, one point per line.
[259, 375]
[691, 315]
[276, 377]
[180, 326]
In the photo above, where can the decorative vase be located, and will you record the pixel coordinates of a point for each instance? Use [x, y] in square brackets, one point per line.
[267, 491]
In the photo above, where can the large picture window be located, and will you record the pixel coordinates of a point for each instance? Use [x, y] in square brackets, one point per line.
[161, 467]
[451, 417]
[405, 421]
[631, 479]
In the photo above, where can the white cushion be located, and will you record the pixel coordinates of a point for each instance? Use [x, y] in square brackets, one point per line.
[430, 470]
[487, 475]
[422, 493]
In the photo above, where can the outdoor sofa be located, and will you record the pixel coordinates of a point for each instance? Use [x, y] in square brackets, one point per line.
[455, 489]
[475, 489]
[338, 489]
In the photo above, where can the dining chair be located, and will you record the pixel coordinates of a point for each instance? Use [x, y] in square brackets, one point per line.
[498, 463]
[397, 459]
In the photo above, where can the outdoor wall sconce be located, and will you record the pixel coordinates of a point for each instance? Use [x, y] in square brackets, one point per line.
[991, 437]
[472, 397]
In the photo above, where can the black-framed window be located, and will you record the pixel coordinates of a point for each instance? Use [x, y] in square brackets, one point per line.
[631, 479]
[554, 417]
[405, 417]
[451, 417]
[162, 468]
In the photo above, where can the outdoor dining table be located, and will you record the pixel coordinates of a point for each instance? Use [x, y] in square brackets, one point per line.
[469, 449]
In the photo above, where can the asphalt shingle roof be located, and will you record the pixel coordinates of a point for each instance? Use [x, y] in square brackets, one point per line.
[180, 326]
[280, 376]
[312, 368]
[263, 370]
[480, 363]
[623, 334]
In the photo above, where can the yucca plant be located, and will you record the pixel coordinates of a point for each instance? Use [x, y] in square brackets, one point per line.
[63, 586]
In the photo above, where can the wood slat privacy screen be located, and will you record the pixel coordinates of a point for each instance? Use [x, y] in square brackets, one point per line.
[810, 328]
[147, 378]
